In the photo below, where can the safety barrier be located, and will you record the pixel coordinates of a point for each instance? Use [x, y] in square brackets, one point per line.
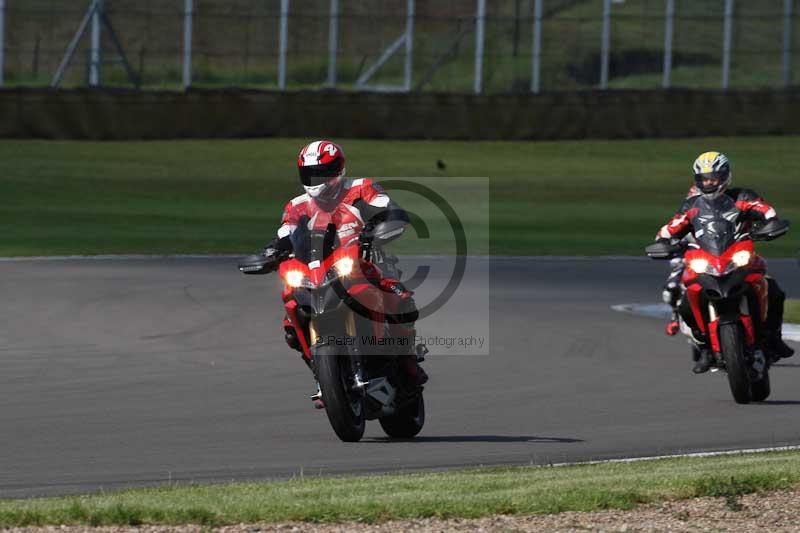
[122, 114]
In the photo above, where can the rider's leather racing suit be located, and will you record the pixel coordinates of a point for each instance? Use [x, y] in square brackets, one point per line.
[680, 225]
[360, 203]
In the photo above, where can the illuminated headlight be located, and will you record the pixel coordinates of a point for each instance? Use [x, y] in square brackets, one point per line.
[741, 258]
[344, 266]
[294, 278]
[699, 265]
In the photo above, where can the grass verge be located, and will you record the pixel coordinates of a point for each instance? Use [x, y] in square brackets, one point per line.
[465, 494]
[791, 312]
[545, 198]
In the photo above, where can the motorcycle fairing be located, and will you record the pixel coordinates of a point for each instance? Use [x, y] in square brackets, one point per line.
[323, 294]
[723, 284]
[715, 223]
[720, 262]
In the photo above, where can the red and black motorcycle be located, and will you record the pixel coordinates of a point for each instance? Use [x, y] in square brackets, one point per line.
[334, 302]
[724, 303]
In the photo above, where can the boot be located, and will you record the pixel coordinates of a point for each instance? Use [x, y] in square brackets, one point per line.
[704, 360]
[673, 326]
[407, 355]
[412, 370]
[316, 399]
[775, 347]
[671, 296]
[773, 341]
[291, 339]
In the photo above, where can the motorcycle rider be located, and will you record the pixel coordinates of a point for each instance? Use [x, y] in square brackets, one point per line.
[712, 174]
[354, 206]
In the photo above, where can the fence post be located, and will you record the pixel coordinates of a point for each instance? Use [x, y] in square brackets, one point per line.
[2, 41]
[94, 47]
[787, 42]
[188, 18]
[666, 81]
[605, 45]
[284, 36]
[333, 42]
[409, 63]
[726, 44]
[480, 19]
[537, 47]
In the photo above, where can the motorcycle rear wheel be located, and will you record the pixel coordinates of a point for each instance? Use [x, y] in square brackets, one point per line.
[731, 342]
[345, 411]
[405, 423]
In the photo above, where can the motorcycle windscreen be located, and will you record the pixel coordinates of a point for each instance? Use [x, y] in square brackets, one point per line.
[715, 225]
[311, 245]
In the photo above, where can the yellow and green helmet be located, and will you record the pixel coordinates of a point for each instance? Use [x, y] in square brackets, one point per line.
[712, 173]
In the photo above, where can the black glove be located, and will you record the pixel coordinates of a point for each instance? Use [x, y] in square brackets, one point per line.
[270, 252]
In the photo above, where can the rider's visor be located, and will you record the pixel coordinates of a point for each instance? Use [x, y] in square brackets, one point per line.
[708, 181]
[313, 175]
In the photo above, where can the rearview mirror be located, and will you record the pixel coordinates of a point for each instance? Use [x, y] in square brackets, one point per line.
[257, 264]
[662, 250]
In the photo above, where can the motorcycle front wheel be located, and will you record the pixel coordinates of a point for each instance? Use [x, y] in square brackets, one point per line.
[345, 410]
[732, 345]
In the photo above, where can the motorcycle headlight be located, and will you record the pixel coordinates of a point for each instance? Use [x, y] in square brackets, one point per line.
[741, 258]
[344, 266]
[699, 265]
[294, 278]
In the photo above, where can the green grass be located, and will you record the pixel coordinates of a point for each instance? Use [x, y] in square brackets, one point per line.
[571, 197]
[466, 494]
[791, 313]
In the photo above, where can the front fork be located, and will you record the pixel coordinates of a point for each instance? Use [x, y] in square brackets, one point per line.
[755, 356]
[355, 357]
[744, 317]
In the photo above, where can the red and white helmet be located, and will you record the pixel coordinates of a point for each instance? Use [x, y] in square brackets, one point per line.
[321, 166]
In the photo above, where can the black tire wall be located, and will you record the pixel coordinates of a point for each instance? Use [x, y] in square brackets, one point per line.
[122, 114]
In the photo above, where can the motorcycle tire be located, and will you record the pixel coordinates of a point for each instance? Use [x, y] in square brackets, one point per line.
[405, 423]
[345, 411]
[761, 389]
[731, 342]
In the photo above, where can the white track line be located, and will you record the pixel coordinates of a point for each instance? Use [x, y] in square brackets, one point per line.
[683, 455]
[662, 311]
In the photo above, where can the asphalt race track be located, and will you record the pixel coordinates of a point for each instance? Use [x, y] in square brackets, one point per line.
[131, 372]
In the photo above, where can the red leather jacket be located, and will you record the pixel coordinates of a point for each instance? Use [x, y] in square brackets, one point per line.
[747, 201]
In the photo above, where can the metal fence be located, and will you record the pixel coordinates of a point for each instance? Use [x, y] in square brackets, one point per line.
[480, 46]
